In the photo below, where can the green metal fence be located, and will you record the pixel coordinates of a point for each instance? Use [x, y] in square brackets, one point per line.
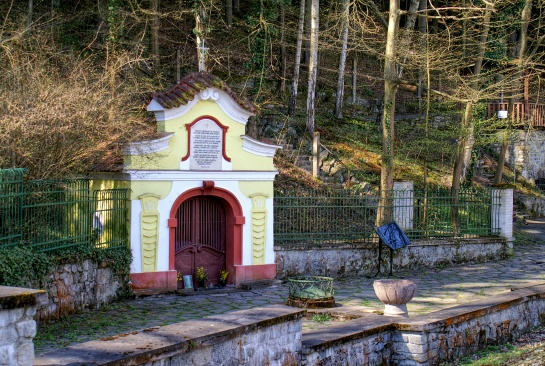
[11, 203]
[339, 217]
[111, 218]
[52, 216]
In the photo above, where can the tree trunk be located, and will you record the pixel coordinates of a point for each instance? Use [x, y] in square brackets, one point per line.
[520, 52]
[467, 138]
[283, 56]
[342, 61]
[308, 32]
[405, 38]
[29, 14]
[384, 212]
[229, 12]
[293, 96]
[200, 38]
[313, 65]
[155, 34]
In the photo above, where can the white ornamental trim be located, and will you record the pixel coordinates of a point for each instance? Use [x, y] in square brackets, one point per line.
[190, 175]
[224, 101]
[148, 147]
[258, 148]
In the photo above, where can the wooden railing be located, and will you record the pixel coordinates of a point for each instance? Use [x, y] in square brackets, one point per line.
[535, 116]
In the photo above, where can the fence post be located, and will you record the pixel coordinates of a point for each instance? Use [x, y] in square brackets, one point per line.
[502, 213]
[404, 204]
[316, 154]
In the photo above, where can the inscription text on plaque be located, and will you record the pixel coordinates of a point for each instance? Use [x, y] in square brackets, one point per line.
[206, 145]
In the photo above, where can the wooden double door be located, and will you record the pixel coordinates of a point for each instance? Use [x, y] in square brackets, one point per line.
[200, 237]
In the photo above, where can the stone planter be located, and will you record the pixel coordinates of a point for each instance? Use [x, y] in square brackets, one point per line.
[395, 294]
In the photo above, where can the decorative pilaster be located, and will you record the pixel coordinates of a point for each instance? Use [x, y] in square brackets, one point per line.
[259, 227]
[149, 231]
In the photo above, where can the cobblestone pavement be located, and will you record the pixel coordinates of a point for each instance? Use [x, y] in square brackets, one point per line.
[437, 288]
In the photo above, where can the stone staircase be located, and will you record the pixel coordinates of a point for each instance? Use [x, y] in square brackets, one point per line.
[332, 173]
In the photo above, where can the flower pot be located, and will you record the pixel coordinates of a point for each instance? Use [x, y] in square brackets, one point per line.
[395, 294]
[222, 283]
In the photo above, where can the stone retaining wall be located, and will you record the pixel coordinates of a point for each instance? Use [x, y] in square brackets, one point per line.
[527, 152]
[261, 336]
[73, 287]
[17, 326]
[361, 259]
[272, 335]
[430, 339]
[534, 205]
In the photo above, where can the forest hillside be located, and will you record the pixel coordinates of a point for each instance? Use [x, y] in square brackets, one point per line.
[76, 76]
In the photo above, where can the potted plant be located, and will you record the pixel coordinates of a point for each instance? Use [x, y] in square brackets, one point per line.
[200, 276]
[223, 278]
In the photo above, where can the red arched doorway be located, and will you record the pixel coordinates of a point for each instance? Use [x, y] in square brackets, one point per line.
[206, 230]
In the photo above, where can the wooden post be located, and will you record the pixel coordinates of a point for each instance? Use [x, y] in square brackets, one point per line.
[316, 154]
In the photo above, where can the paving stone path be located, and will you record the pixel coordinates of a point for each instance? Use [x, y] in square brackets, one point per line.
[437, 288]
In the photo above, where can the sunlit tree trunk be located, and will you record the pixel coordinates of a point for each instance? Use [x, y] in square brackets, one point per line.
[384, 212]
[293, 96]
[342, 60]
[312, 65]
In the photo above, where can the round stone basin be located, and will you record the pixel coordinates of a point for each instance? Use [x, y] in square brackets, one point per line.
[311, 292]
[395, 294]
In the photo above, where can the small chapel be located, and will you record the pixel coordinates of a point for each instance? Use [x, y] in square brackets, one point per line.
[202, 191]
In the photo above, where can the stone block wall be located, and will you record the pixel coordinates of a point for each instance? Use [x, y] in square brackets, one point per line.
[73, 287]
[463, 330]
[364, 341]
[17, 326]
[426, 340]
[527, 152]
[361, 259]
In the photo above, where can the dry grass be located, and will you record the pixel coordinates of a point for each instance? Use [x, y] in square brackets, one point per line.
[62, 115]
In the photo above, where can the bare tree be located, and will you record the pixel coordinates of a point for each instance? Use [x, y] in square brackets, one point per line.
[520, 53]
[467, 137]
[390, 90]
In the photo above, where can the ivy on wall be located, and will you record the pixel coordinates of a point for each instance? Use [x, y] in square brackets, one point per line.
[24, 267]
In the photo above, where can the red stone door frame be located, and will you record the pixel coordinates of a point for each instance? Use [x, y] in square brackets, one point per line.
[234, 219]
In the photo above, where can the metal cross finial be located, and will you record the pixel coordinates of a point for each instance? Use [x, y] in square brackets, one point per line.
[202, 52]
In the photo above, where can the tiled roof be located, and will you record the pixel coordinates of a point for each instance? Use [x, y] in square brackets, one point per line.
[190, 86]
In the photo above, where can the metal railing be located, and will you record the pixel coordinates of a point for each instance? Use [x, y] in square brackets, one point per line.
[344, 217]
[52, 216]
